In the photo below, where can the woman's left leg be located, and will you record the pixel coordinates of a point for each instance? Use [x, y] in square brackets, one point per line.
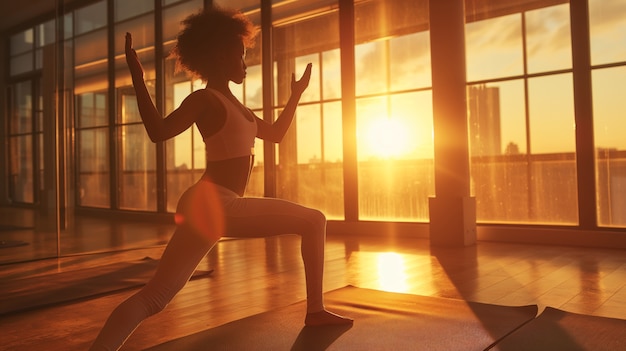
[257, 217]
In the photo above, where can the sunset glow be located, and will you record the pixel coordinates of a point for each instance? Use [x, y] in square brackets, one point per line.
[392, 272]
[388, 138]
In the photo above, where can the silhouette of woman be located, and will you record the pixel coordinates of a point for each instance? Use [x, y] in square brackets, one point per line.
[212, 46]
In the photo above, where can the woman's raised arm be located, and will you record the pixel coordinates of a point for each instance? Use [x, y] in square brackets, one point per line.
[159, 129]
[276, 131]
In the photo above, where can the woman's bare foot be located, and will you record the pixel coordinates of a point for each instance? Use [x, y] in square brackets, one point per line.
[325, 318]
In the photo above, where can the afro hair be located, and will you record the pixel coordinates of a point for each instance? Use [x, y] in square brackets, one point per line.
[208, 33]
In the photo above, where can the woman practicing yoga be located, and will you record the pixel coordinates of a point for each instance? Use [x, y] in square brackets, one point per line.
[212, 46]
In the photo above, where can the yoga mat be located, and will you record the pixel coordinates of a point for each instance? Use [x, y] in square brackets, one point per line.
[555, 329]
[35, 292]
[382, 321]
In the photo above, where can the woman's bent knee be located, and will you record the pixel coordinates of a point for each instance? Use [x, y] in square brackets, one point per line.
[317, 218]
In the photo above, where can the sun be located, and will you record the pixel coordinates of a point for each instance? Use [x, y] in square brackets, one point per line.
[388, 138]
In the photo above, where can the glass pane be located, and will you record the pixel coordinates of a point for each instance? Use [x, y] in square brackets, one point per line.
[21, 118]
[553, 191]
[22, 63]
[68, 26]
[551, 104]
[172, 16]
[499, 165]
[393, 131]
[552, 144]
[501, 187]
[410, 61]
[371, 68]
[92, 109]
[46, 33]
[315, 187]
[178, 150]
[485, 131]
[395, 153]
[607, 28]
[93, 165]
[130, 110]
[22, 42]
[609, 108]
[331, 74]
[90, 18]
[136, 153]
[142, 29]
[304, 173]
[91, 48]
[253, 84]
[371, 115]
[308, 134]
[126, 9]
[333, 132]
[92, 74]
[137, 169]
[494, 48]
[548, 39]
[21, 169]
[411, 116]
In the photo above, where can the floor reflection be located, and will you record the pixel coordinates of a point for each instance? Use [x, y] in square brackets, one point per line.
[392, 275]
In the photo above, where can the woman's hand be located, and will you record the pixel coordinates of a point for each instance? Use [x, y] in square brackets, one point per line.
[299, 86]
[136, 70]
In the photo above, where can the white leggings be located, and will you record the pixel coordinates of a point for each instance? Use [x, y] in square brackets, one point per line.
[205, 212]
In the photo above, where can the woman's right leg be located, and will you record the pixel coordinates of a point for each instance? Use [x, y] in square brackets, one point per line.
[199, 227]
[179, 261]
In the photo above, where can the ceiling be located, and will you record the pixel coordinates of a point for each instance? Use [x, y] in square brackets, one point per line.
[15, 12]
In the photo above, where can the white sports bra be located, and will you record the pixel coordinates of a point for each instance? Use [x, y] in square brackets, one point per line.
[235, 138]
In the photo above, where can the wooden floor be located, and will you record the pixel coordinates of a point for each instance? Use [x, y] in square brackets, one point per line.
[257, 275]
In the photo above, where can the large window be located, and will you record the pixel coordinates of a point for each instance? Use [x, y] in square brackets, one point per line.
[521, 115]
[25, 118]
[135, 154]
[23, 133]
[521, 78]
[607, 27]
[92, 143]
[393, 110]
[309, 161]
[92, 106]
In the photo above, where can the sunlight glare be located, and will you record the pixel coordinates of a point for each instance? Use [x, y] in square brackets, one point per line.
[388, 138]
[392, 275]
